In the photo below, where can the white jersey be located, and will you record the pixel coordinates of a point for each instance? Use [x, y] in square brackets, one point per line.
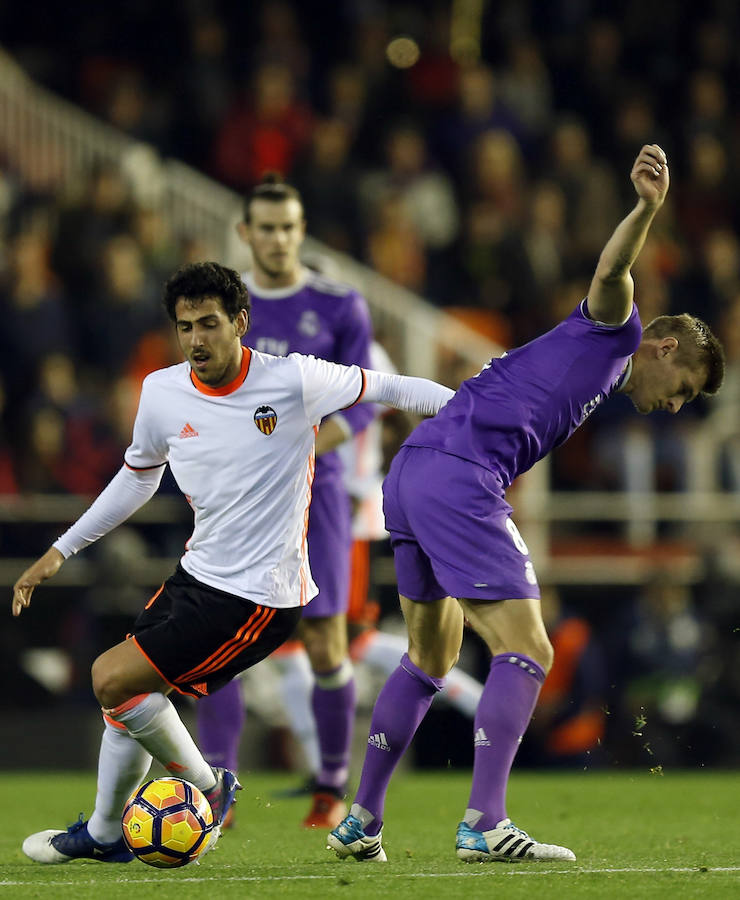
[243, 455]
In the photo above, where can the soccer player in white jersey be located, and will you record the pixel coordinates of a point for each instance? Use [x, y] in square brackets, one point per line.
[237, 428]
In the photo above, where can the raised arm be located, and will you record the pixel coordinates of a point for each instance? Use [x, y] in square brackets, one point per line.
[612, 288]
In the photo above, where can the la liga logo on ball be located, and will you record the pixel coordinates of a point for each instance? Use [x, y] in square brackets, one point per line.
[167, 823]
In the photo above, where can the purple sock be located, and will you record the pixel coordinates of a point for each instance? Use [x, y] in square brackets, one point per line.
[220, 717]
[504, 710]
[401, 705]
[333, 701]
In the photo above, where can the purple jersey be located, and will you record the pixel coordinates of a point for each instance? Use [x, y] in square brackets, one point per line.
[317, 317]
[534, 397]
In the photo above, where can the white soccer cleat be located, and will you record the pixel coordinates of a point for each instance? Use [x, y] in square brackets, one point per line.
[52, 847]
[39, 847]
[348, 839]
[505, 843]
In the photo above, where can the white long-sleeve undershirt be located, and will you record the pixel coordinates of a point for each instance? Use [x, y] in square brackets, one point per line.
[126, 492]
[416, 395]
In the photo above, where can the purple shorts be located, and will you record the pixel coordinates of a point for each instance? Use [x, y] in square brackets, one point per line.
[450, 531]
[329, 545]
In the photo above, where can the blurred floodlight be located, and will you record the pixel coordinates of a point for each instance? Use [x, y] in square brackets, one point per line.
[402, 52]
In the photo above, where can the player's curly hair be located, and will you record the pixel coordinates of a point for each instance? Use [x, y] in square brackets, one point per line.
[697, 344]
[203, 280]
[273, 189]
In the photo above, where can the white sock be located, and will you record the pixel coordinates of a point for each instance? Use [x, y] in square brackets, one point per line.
[296, 687]
[154, 722]
[383, 651]
[122, 766]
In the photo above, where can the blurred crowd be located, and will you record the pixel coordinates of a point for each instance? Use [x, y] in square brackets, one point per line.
[480, 164]
[485, 176]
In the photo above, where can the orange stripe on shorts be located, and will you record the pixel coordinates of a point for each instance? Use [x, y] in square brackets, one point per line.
[246, 635]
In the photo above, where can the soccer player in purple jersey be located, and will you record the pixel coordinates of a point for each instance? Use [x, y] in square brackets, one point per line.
[296, 310]
[459, 555]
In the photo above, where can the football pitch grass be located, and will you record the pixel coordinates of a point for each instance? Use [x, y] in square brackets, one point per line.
[636, 834]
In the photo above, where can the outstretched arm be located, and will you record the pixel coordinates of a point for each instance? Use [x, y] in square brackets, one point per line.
[126, 492]
[612, 288]
[416, 395]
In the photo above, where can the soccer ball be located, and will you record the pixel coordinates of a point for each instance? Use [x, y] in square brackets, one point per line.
[167, 823]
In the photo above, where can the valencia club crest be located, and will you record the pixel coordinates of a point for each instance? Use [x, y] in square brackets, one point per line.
[265, 418]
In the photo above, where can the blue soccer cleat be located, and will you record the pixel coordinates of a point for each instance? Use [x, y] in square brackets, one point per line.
[348, 839]
[222, 794]
[52, 847]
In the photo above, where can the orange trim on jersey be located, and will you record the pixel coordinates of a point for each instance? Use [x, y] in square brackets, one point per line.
[303, 573]
[248, 634]
[362, 390]
[113, 722]
[154, 597]
[232, 385]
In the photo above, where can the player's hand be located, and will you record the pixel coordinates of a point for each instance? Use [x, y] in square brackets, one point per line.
[48, 565]
[650, 174]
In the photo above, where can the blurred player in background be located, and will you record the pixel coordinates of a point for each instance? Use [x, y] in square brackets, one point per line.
[569, 722]
[457, 551]
[296, 310]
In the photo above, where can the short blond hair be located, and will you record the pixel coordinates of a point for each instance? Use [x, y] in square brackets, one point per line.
[696, 343]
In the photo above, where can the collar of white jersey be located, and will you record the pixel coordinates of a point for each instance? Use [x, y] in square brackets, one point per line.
[225, 388]
[276, 293]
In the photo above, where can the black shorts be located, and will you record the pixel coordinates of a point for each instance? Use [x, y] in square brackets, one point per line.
[198, 638]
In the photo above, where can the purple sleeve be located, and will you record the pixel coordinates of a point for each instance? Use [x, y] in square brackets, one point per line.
[354, 335]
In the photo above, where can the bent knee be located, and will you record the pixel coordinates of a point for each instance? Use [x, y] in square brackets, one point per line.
[539, 650]
[107, 684]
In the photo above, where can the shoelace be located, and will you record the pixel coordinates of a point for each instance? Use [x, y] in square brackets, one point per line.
[76, 826]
